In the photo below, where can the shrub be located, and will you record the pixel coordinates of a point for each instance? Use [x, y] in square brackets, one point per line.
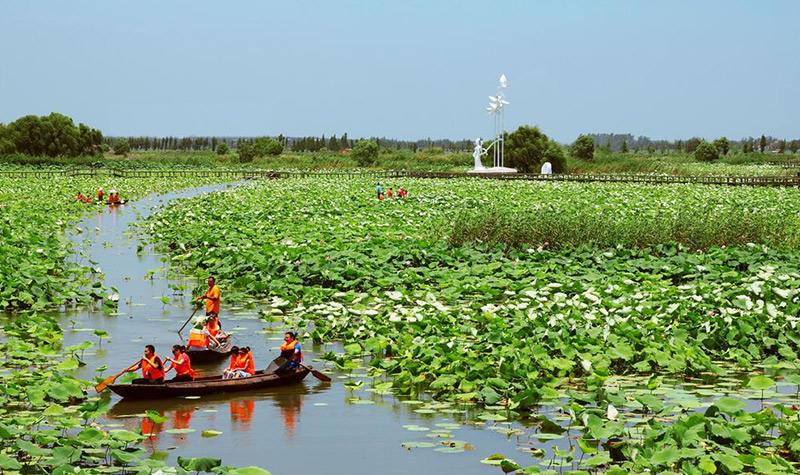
[365, 152]
[222, 149]
[582, 148]
[723, 146]
[706, 152]
[122, 147]
[691, 145]
[267, 146]
[247, 151]
[527, 148]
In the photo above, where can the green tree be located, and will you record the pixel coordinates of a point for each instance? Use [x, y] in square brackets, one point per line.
[582, 148]
[222, 148]
[6, 141]
[527, 148]
[723, 145]
[782, 146]
[706, 152]
[762, 144]
[247, 151]
[267, 146]
[333, 143]
[794, 146]
[122, 147]
[624, 146]
[691, 145]
[365, 152]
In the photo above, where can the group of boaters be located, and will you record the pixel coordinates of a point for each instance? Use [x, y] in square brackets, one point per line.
[113, 197]
[400, 193]
[207, 333]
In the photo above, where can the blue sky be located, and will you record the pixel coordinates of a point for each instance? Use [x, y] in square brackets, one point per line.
[405, 69]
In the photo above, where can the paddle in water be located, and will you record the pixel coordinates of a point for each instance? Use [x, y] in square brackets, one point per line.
[317, 374]
[110, 380]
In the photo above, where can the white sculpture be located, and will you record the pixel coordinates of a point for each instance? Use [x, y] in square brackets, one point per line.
[495, 108]
[547, 168]
[477, 152]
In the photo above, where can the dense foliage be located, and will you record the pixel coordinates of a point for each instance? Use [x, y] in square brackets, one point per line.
[722, 145]
[365, 152]
[706, 152]
[54, 135]
[582, 148]
[527, 148]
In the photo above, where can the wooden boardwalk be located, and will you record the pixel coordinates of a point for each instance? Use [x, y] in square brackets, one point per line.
[244, 174]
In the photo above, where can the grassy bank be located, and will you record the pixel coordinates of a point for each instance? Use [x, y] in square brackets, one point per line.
[426, 160]
[682, 164]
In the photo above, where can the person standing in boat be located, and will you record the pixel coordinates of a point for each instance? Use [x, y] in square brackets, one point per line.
[181, 364]
[152, 367]
[211, 297]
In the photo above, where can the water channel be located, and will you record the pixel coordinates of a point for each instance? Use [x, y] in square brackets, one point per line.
[310, 427]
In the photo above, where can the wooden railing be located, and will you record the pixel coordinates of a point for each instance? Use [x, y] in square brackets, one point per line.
[774, 180]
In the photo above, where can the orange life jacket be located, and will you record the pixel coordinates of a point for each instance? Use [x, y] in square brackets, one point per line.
[183, 366]
[249, 364]
[152, 372]
[213, 327]
[236, 362]
[288, 351]
[198, 338]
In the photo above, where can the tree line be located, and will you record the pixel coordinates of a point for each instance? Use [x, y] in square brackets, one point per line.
[333, 143]
[54, 135]
[624, 143]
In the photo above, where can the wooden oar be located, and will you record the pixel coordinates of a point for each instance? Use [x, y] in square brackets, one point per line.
[110, 380]
[317, 374]
[187, 320]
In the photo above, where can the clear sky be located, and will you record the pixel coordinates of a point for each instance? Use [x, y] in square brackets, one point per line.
[405, 68]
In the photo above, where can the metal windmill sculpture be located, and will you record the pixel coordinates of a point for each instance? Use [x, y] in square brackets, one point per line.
[496, 108]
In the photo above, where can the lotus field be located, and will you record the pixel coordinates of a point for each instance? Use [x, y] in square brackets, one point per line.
[656, 320]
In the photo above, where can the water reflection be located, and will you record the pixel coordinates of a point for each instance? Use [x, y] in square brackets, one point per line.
[201, 414]
[241, 414]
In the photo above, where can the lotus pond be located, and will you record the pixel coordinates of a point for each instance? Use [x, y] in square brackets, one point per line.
[557, 319]
[647, 345]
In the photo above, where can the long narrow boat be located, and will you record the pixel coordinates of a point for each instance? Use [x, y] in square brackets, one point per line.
[209, 385]
[206, 355]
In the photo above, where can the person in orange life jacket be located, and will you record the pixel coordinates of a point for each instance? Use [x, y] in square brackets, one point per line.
[213, 328]
[249, 362]
[181, 364]
[291, 351]
[205, 331]
[389, 193]
[236, 368]
[211, 297]
[79, 197]
[152, 367]
[100, 194]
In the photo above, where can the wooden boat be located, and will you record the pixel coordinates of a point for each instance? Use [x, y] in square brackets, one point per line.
[206, 355]
[209, 385]
[120, 202]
